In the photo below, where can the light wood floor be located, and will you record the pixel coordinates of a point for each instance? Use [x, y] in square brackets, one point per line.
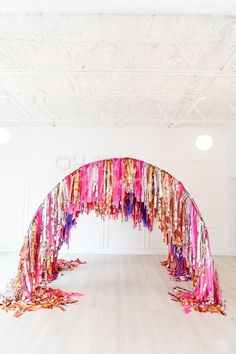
[126, 310]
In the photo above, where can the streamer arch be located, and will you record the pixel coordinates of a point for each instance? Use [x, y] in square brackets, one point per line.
[119, 186]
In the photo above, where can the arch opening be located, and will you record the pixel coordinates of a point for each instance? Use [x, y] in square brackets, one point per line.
[132, 189]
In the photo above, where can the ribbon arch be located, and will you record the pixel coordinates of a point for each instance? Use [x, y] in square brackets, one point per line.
[115, 187]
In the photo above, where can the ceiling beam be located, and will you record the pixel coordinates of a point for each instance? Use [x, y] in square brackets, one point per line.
[124, 72]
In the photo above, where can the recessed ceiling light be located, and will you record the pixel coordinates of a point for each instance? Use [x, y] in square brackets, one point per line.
[4, 135]
[204, 142]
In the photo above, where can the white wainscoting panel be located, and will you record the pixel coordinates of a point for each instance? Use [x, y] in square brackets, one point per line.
[12, 205]
[29, 170]
[209, 197]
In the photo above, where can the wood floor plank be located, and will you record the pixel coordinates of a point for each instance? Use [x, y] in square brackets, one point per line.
[126, 310]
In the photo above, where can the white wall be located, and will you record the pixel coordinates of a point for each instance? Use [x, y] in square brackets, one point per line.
[29, 170]
[231, 158]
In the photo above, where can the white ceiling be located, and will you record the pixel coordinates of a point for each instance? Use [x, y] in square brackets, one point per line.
[164, 70]
[121, 6]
